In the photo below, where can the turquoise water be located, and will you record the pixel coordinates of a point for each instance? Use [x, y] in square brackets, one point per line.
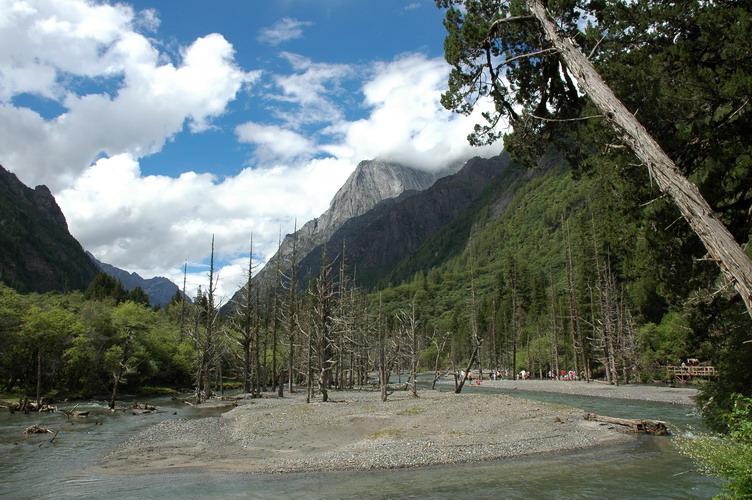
[649, 467]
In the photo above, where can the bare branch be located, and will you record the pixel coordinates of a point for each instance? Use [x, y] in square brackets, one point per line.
[581, 118]
[511, 19]
[596, 47]
[528, 55]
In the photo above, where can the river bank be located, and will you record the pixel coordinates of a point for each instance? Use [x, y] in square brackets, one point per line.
[638, 392]
[359, 432]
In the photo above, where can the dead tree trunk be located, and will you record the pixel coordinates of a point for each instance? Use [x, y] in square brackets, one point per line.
[719, 242]
[121, 368]
[578, 346]
[439, 351]
[461, 384]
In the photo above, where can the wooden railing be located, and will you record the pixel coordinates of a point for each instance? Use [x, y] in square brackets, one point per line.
[685, 372]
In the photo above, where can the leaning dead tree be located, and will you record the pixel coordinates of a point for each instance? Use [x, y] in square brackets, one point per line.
[714, 235]
[509, 35]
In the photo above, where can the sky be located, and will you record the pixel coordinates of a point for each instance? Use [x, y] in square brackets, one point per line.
[159, 124]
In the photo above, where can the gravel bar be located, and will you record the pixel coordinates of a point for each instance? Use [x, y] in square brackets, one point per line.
[356, 431]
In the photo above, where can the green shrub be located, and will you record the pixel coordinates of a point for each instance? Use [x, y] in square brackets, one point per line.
[726, 456]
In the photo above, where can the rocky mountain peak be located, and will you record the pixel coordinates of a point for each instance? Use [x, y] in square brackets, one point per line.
[372, 182]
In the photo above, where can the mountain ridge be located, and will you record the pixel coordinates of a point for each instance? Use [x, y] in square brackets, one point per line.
[371, 183]
[159, 289]
[375, 245]
[37, 251]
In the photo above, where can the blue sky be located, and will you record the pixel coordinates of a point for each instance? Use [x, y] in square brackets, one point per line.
[159, 123]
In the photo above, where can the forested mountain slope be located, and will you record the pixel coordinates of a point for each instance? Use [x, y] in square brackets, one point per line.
[37, 253]
[375, 243]
[159, 289]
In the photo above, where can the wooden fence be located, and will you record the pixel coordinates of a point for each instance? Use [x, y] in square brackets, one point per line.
[689, 371]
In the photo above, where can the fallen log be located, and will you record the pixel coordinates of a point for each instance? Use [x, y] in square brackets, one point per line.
[647, 426]
[76, 413]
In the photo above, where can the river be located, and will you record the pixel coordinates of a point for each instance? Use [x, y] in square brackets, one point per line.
[33, 467]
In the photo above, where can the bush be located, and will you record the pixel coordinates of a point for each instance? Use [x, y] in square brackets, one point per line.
[726, 456]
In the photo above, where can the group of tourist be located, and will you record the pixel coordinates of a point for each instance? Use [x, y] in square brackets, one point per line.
[563, 375]
[523, 375]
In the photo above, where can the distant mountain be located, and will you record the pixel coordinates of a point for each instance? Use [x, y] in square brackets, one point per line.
[371, 183]
[159, 289]
[37, 252]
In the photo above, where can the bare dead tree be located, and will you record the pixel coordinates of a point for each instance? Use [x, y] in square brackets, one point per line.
[440, 344]
[408, 326]
[205, 337]
[554, 338]
[243, 326]
[578, 346]
[322, 329]
[388, 351]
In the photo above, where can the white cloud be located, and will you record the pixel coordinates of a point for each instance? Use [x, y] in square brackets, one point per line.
[407, 122]
[153, 224]
[47, 46]
[315, 88]
[284, 30]
[273, 142]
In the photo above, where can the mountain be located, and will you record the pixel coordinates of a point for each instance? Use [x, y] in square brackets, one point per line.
[37, 252]
[371, 183]
[159, 289]
[378, 241]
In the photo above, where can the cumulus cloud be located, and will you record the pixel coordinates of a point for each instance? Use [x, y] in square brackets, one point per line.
[273, 142]
[153, 224]
[406, 121]
[284, 30]
[48, 46]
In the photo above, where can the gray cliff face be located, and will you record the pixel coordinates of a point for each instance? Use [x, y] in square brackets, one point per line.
[372, 182]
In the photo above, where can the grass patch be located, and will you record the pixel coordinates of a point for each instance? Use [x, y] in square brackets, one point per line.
[386, 433]
[416, 410]
[157, 391]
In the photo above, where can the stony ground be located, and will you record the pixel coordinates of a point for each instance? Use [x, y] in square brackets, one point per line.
[358, 431]
[665, 394]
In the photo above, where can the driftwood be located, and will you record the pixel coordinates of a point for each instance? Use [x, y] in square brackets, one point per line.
[397, 387]
[37, 429]
[654, 427]
[143, 406]
[76, 413]
[27, 406]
